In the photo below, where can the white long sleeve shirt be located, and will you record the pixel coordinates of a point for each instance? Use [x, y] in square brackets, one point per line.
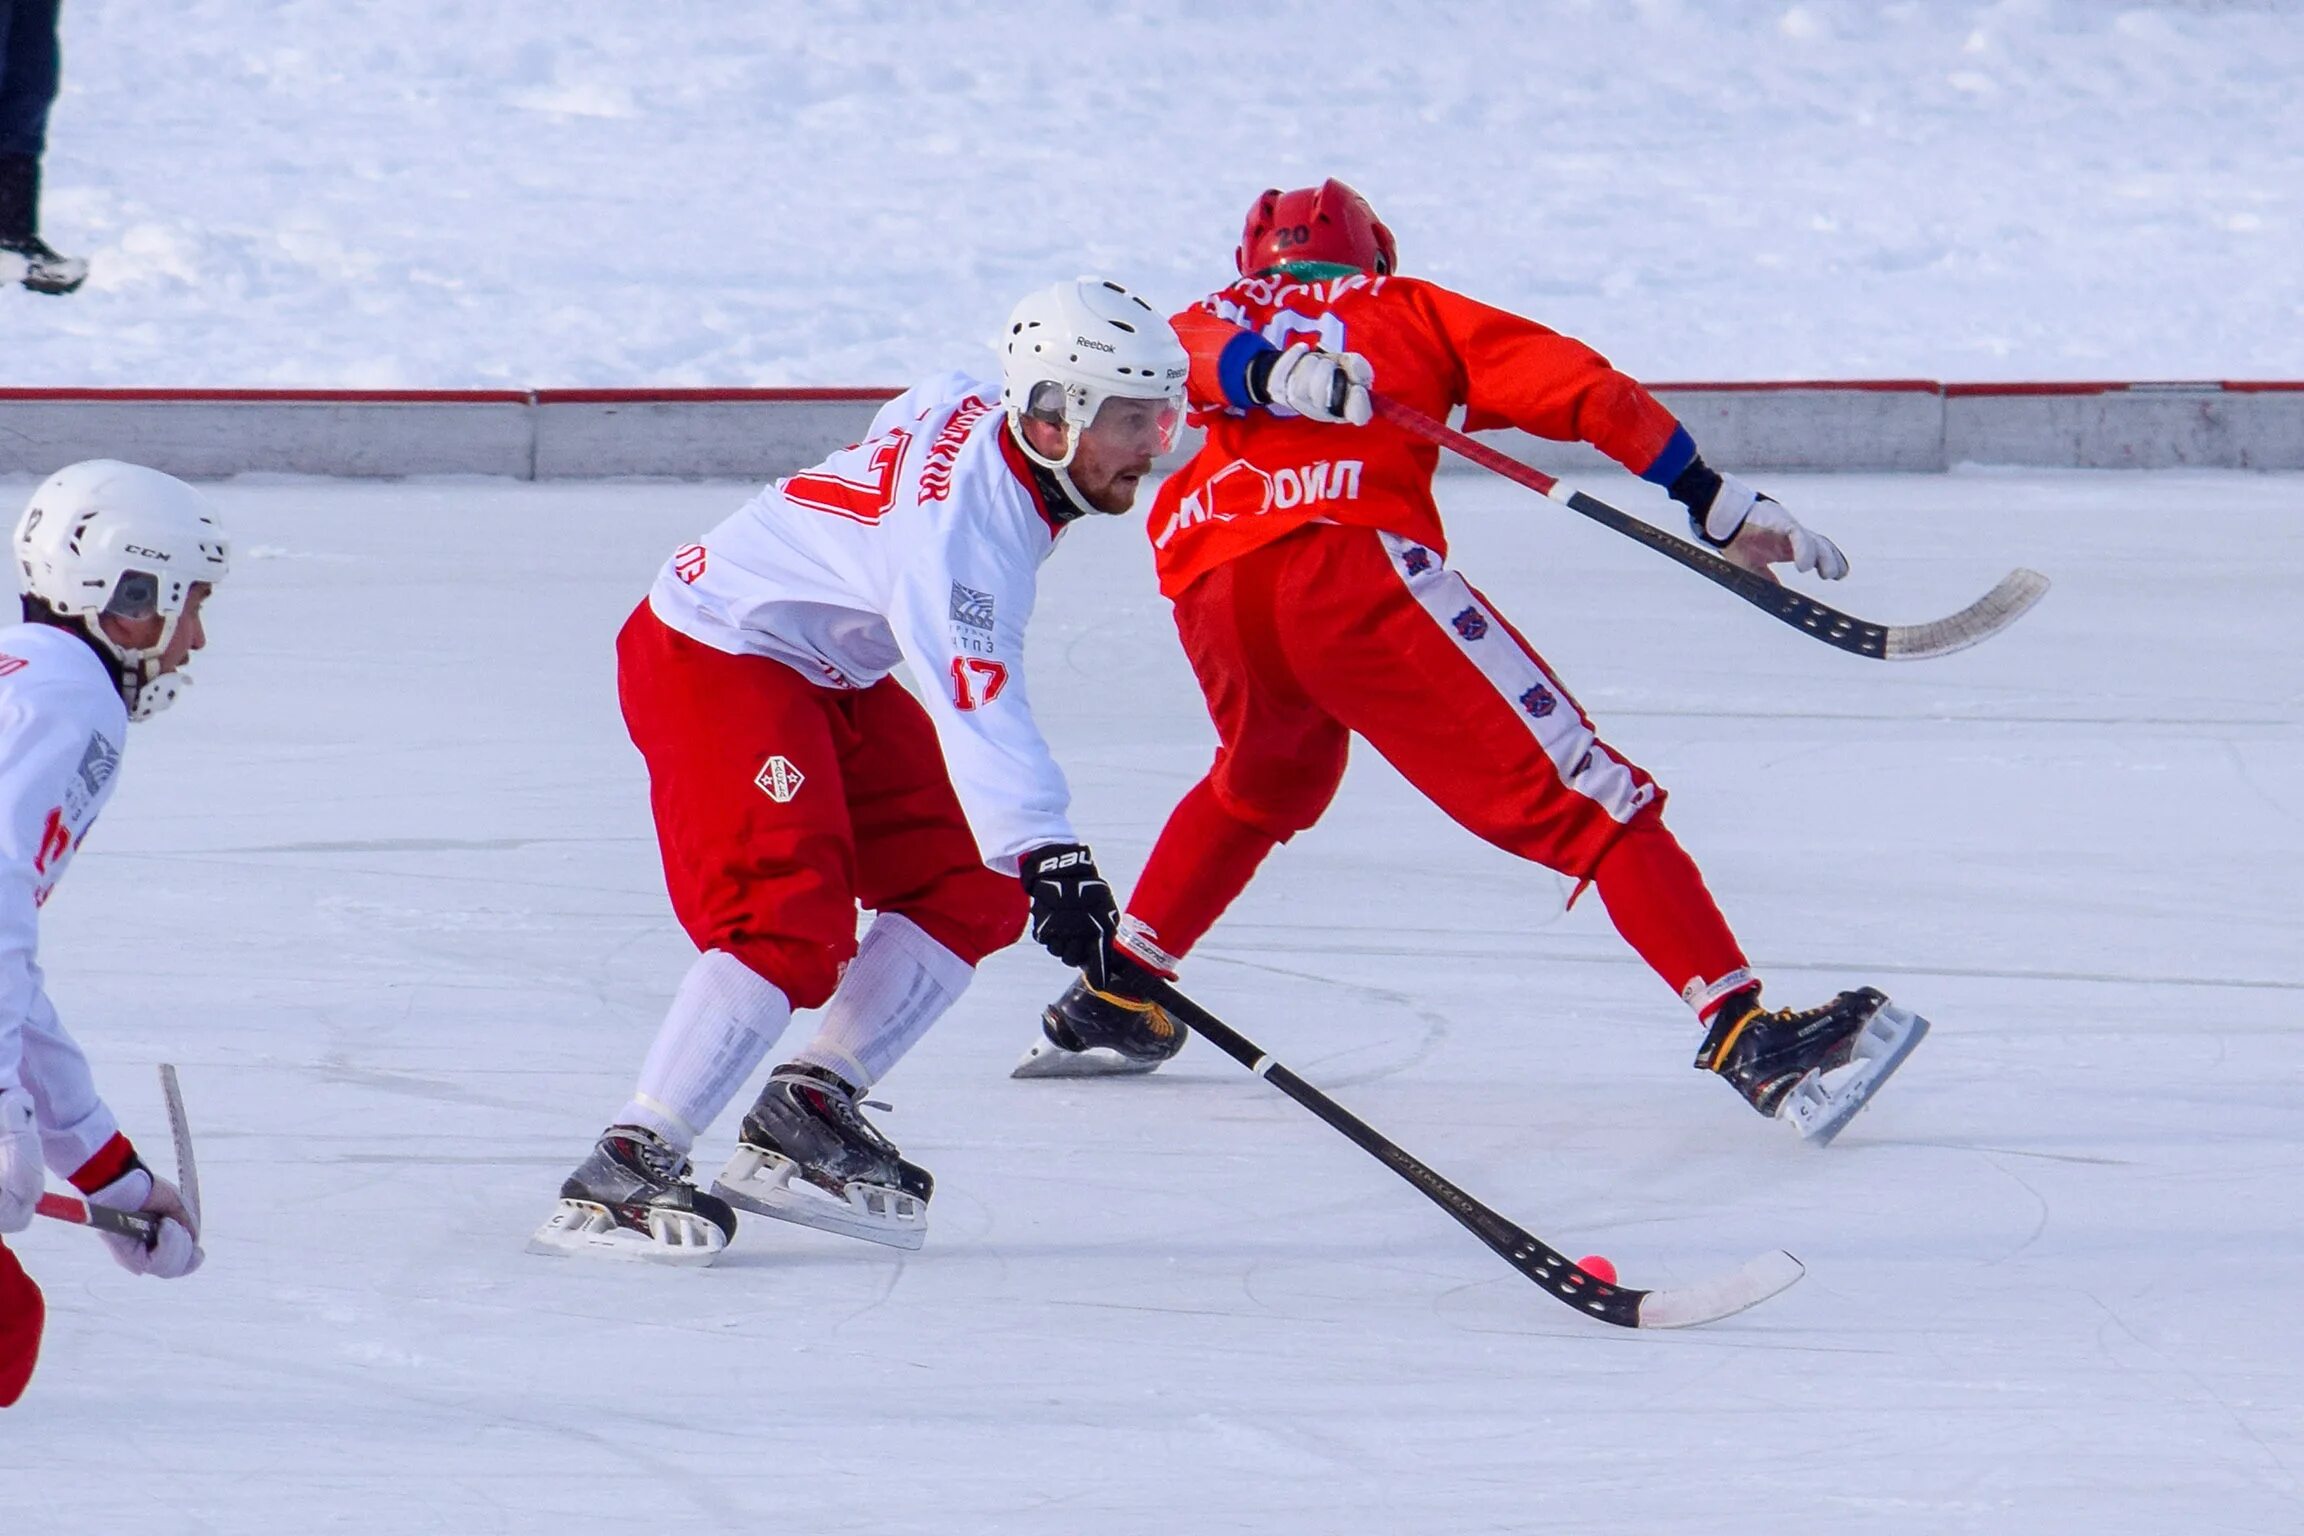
[62, 728]
[921, 544]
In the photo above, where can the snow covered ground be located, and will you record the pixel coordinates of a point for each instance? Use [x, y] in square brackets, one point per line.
[383, 885]
[582, 192]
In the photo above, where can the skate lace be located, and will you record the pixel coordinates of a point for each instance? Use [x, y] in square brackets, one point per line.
[656, 1158]
[850, 1112]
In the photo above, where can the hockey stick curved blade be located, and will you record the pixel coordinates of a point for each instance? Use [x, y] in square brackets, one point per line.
[1979, 621]
[1707, 1301]
[1723, 1296]
[187, 1171]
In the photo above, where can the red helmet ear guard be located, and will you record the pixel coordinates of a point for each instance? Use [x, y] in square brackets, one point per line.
[1328, 223]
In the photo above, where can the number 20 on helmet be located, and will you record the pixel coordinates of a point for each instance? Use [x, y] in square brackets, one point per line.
[1325, 226]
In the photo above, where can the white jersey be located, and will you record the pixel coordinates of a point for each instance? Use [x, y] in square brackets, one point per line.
[62, 727]
[921, 544]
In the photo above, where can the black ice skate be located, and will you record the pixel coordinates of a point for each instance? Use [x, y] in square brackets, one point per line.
[631, 1199]
[807, 1155]
[1089, 1032]
[1815, 1068]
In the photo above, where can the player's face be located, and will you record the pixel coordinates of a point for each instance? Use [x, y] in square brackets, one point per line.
[142, 634]
[1117, 449]
[191, 634]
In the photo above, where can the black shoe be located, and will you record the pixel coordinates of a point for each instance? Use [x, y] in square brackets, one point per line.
[631, 1199]
[808, 1116]
[44, 271]
[633, 1172]
[1085, 1018]
[37, 265]
[1764, 1054]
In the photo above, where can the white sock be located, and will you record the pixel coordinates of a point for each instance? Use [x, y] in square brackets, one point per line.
[721, 1022]
[900, 982]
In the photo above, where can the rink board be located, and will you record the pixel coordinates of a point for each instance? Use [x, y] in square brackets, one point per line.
[1906, 425]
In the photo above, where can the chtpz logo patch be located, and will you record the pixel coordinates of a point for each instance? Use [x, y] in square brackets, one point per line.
[779, 779]
[99, 760]
[971, 607]
[689, 562]
[10, 664]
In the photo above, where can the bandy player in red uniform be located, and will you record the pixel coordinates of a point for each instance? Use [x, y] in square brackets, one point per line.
[1305, 557]
[793, 779]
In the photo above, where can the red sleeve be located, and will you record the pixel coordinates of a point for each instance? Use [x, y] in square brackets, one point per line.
[112, 1159]
[1220, 352]
[1521, 374]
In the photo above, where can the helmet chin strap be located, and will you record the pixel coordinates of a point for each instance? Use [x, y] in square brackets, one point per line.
[1057, 472]
[143, 687]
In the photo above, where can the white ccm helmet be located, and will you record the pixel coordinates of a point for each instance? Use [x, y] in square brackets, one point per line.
[102, 537]
[1071, 347]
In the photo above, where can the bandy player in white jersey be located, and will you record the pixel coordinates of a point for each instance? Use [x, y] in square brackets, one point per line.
[794, 780]
[116, 562]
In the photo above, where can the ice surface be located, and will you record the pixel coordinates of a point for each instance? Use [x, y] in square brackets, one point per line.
[535, 192]
[383, 884]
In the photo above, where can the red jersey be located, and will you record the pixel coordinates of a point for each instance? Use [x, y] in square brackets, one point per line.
[1264, 473]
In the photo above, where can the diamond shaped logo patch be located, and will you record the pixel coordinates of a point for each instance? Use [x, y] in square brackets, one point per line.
[779, 779]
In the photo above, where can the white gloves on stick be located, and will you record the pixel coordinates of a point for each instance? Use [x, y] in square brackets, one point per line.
[1756, 532]
[177, 1253]
[1324, 386]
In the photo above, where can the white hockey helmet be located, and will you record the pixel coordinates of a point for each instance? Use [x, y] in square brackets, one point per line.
[103, 537]
[1072, 346]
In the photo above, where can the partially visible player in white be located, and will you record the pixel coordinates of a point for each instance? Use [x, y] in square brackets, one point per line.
[115, 561]
[794, 780]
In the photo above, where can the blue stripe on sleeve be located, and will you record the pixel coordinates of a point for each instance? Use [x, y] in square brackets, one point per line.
[1232, 367]
[1677, 455]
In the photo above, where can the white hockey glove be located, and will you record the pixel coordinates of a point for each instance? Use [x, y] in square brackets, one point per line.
[177, 1251]
[1321, 386]
[22, 1172]
[1750, 529]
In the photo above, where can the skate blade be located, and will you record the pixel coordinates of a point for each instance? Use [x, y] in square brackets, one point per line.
[581, 1229]
[1048, 1059]
[762, 1182]
[1819, 1111]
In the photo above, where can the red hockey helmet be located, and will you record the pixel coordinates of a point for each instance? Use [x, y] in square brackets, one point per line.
[1330, 224]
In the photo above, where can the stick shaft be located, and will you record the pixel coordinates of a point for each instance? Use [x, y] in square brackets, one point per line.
[1534, 1258]
[80, 1213]
[1860, 637]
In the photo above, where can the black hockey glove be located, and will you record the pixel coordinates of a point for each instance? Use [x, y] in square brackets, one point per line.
[1073, 914]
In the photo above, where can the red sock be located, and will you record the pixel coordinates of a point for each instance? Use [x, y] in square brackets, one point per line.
[1202, 862]
[1656, 897]
[22, 1312]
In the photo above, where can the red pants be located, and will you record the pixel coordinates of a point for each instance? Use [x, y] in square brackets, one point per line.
[22, 1313]
[1334, 632]
[780, 806]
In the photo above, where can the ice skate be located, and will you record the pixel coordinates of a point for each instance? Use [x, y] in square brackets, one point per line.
[1815, 1068]
[1093, 1033]
[30, 260]
[807, 1155]
[631, 1199]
